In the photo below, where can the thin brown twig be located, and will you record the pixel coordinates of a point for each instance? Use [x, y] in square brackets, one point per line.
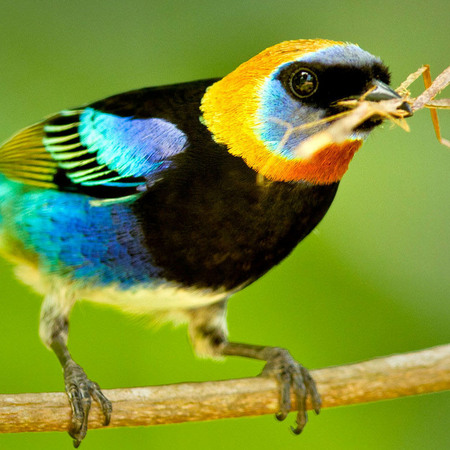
[440, 83]
[378, 379]
[403, 88]
[443, 103]
[360, 110]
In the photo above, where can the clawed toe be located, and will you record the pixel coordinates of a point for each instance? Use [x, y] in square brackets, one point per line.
[81, 390]
[290, 374]
[104, 403]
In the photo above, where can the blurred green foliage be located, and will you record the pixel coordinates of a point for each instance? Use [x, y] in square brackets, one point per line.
[373, 280]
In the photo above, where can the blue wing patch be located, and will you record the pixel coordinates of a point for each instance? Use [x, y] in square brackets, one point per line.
[132, 147]
[93, 152]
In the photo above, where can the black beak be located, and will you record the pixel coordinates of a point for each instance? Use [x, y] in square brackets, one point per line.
[383, 92]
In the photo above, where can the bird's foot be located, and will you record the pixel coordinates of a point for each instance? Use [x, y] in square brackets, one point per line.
[289, 373]
[81, 390]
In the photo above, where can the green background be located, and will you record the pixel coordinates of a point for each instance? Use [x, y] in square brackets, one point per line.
[372, 281]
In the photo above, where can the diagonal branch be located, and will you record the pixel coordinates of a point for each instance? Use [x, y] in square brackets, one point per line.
[378, 379]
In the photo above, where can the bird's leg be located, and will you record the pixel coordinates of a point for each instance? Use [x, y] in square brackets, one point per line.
[289, 374]
[53, 329]
[209, 336]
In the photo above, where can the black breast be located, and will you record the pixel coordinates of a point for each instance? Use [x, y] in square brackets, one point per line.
[209, 223]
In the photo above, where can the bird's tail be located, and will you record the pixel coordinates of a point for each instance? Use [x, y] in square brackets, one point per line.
[23, 157]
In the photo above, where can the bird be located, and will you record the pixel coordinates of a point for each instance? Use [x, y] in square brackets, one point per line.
[165, 201]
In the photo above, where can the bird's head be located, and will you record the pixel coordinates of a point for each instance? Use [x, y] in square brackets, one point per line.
[258, 110]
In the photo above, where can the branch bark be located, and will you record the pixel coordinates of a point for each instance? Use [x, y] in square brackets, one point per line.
[378, 379]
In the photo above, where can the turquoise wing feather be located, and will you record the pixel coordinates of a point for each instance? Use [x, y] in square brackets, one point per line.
[93, 152]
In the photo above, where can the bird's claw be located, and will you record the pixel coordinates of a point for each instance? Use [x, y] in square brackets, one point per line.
[81, 390]
[289, 373]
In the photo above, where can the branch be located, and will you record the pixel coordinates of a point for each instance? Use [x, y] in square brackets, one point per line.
[378, 379]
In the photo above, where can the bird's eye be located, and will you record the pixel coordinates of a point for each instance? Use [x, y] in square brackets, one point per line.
[303, 83]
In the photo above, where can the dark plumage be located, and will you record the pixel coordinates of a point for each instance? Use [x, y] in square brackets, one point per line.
[167, 200]
[232, 229]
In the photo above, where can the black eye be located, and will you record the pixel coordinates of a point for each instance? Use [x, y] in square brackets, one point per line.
[303, 83]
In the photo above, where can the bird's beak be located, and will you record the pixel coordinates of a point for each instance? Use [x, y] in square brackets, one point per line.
[383, 92]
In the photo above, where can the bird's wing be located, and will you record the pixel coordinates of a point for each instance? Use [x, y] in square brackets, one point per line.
[92, 152]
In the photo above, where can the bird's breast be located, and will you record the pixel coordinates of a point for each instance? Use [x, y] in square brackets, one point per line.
[217, 227]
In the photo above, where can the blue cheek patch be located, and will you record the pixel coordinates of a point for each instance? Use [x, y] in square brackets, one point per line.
[278, 112]
[132, 147]
[97, 245]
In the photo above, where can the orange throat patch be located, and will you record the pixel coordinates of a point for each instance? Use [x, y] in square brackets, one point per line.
[325, 166]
